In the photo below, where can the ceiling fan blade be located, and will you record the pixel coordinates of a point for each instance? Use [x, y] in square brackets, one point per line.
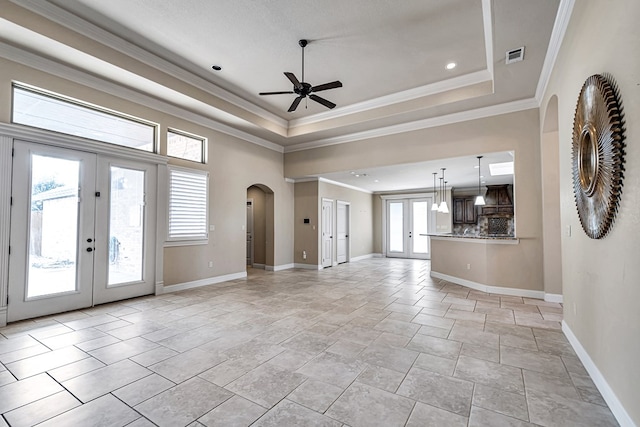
[293, 79]
[326, 86]
[276, 93]
[322, 101]
[295, 103]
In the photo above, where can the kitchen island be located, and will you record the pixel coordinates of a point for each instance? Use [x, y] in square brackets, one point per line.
[495, 264]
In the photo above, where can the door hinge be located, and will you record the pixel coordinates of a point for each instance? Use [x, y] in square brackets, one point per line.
[11, 201]
[9, 250]
[13, 150]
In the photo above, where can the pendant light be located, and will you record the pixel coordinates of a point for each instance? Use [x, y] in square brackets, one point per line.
[445, 209]
[479, 198]
[434, 206]
[443, 205]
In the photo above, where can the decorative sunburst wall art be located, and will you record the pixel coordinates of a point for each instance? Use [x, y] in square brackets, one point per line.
[598, 154]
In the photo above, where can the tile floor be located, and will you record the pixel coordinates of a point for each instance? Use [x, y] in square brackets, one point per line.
[371, 343]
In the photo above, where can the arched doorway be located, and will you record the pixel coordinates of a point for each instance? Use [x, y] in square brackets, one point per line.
[259, 228]
[552, 229]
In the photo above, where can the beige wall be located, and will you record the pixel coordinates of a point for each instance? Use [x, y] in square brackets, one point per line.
[233, 164]
[601, 278]
[308, 203]
[361, 211]
[518, 132]
[306, 235]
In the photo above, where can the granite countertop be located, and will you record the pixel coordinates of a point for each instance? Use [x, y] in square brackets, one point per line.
[473, 236]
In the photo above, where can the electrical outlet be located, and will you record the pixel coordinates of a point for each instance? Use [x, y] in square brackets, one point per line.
[468, 266]
[210, 264]
[568, 231]
[304, 254]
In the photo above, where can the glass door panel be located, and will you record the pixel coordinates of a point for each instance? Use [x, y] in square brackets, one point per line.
[396, 227]
[126, 231]
[419, 227]
[53, 225]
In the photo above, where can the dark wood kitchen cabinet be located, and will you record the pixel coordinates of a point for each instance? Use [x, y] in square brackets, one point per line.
[464, 210]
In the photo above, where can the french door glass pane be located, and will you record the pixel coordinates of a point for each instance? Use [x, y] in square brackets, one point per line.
[126, 231]
[420, 239]
[53, 225]
[396, 232]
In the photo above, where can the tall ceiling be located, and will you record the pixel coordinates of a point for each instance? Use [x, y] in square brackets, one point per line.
[391, 57]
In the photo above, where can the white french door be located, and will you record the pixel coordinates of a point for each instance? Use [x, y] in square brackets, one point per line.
[409, 222]
[82, 232]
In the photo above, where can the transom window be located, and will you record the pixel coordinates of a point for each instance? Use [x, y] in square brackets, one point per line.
[185, 146]
[44, 110]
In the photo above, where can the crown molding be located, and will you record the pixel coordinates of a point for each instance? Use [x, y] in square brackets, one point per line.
[555, 43]
[73, 22]
[487, 20]
[54, 68]
[394, 98]
[328, 181]
[463, 116]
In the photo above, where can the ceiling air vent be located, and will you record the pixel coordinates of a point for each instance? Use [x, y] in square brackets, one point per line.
[515, 55]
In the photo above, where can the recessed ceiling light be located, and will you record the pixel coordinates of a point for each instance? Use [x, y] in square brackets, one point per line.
[216, 67]
[375, 180]
[451, 65]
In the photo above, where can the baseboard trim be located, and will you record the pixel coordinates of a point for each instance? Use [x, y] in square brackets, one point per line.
[608, 394]
[363, 257]
[308, 266]
[203, 282]
[3, 317]
[280, 267]
[159, 288]
[553, 298]
[527, 293]
[260, 266]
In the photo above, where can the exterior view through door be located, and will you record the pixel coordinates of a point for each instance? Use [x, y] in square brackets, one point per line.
[82, 230]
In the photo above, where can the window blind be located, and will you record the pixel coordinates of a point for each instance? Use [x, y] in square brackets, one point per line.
[187, 204]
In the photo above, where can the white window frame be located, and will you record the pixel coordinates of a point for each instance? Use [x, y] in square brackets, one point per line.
[203, 148]
[186, 240]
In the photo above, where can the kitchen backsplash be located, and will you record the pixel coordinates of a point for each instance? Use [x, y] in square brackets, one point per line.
[503, 225]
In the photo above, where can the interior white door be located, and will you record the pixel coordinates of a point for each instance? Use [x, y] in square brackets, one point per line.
[52, 230]
[342, 232]
[82, 230]
[250, 232]
[125, 230]
[327, 233]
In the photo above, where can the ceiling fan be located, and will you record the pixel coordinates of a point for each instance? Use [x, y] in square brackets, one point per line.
[304, 89]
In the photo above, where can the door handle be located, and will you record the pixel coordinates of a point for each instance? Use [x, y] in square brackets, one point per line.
[89, 249]
[89, 240]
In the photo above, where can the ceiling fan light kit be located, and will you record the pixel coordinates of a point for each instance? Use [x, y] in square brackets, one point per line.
[304, 89]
